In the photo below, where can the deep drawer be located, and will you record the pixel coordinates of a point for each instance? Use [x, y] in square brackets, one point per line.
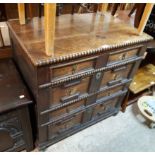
[69, 91]
[71, 69]
[119, 56]
[105, 107]
[115, 76]
[110, 92]
[10, 130]
[59, 128]
[62, 112]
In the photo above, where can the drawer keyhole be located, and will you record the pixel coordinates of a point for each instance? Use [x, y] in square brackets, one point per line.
[109, 93]
[123, 56]
[74, 68]
[71, 91]
[115, 76]
[68, 110]
[98, 75]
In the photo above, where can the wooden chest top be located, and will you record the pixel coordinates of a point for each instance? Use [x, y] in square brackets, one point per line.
[13, 92]
[76, 35]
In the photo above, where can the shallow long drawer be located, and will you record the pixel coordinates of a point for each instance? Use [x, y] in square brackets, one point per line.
[71, 69]
[122, 55]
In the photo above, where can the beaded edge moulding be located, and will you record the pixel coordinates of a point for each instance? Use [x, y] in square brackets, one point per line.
[88, 52]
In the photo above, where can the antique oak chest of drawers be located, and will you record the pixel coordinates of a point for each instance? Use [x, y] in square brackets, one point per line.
[15, 126]
[95, 58]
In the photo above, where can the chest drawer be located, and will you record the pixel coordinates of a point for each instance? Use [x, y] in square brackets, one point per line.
[115, 76]
[119, 56]
[105, 107]
[66, 110]
[109, 92]
[60, 128]
[72, 69]
[69, 91]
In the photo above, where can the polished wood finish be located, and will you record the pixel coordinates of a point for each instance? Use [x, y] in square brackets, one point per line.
[90, 69]
[21, 13]
[5, 52]
[15, 126]
[72, 31]
[143, 79]
[145, 17]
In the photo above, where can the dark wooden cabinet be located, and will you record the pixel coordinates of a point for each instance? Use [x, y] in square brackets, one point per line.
[15, 126]
[86, 80]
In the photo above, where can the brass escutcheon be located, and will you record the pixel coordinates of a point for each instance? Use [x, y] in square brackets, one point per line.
[98, 75]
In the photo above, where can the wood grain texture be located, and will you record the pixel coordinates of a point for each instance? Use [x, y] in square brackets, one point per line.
[105, 107]
[144, 78]
[60, 92]
[5, 52]
[72, 69]
[10, 80]
[75, 36]
[50, 15]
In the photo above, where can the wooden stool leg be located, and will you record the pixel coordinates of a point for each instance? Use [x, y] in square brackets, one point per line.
[21, 13]
[132, 10]
[146, 14]
[114, 9]
[104, 7]
[50, 13]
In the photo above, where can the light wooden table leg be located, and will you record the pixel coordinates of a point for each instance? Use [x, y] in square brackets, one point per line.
[50, 15]
[21, 13]
[144, 19]
[104, 7]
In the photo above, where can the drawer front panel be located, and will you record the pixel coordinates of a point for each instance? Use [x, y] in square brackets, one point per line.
[10, 130]
[122, 56]
[115, 76]
[10, 120]
[69, 91]
[63, 126]
[71, 69]
[109, 92]
[66, 110]
[105, 107]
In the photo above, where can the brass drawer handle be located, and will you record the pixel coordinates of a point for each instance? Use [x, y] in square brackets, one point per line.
[99, 113]
[72, 83]
[113, 82]
[69, 98]
[66, 120]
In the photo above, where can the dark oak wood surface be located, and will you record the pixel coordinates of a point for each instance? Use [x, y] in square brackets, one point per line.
[11, 87]
[15, 126]
[78, 34]
[95, 59]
